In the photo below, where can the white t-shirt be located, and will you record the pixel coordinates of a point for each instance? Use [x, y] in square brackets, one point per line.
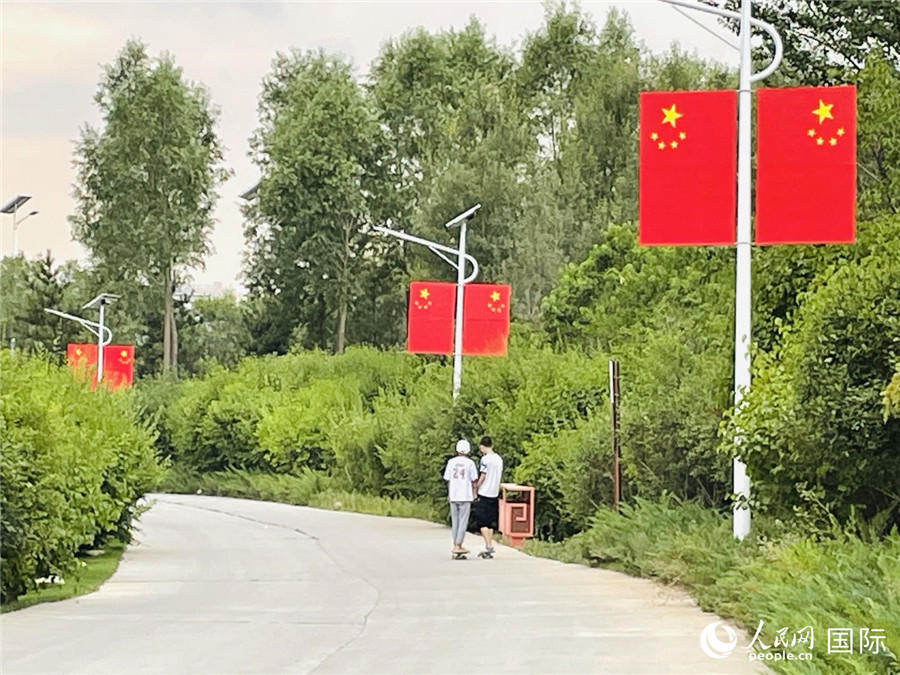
[460, 474]
[492, 468]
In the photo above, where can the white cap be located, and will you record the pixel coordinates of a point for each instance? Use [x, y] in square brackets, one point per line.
[463, 447]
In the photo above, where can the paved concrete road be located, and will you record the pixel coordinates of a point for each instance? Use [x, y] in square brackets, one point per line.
[216, 585]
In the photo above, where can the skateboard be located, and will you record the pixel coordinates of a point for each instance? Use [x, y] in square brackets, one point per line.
[458, 555]
[485, 555]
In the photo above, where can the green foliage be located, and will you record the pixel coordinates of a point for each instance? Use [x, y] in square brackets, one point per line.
[214, 332]
[30, 286]
[814, 426]
[153, 399]
[378, 422]
[90, 573]
[665, 314]
[318, 151]
[74, 463]
[308, 488]
[288, 489]
[279, 413]
[828, 41]
[879, 138]
[891, 397]
[572, 473]
[294, 432]
[146, 181]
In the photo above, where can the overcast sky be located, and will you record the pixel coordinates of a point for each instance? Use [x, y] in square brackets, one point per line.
[51, 56]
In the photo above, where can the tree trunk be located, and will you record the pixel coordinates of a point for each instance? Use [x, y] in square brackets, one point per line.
[344, 281]
[170, 332]
[341, 327]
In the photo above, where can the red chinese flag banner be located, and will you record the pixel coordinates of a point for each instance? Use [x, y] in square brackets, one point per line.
[806, 165]
[82, 358]
[485, 319]
[118, 366]
[430, 317]
[688, 162]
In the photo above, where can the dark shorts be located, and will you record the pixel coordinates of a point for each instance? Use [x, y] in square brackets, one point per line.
[485, 511]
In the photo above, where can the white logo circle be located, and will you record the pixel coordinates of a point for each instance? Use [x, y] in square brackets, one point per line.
[712, 646]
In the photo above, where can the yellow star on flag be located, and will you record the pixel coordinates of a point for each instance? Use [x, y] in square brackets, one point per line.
[820, 141]
[682, 135]
[424, 293]
[832, 141]
[495, 296]
[671, 115]
[840, 132]
[654, 136]
[824, 111]
[811, 133]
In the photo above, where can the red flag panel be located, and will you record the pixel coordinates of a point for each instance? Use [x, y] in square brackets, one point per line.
[118, 366]
[82, 358]
[486, 319]
[688, 162]
[430, 317]
[806, 165]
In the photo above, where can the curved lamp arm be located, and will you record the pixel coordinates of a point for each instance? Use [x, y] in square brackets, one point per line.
[769, 28]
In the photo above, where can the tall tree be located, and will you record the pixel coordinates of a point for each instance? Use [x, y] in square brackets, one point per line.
[828, 41]
[215, 332]
[318, 151]
[28, 287]
[146, 180]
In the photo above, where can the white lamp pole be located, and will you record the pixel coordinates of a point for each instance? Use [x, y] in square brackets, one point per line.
[98, 328]
[100, 344]
[458, 325]
[742, 300]
[15, 248]
[461, 279]
[12, 207]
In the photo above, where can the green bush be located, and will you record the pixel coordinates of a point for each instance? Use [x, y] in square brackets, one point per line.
[572, 473]
[74, 463]
[153, 398]
[666, 315]
[891, 398]
[278, 413]
[308, 488]
[816, 434]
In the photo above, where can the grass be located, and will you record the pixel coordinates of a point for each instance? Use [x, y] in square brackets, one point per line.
[783, 578]
[307, 489]
[93, 571]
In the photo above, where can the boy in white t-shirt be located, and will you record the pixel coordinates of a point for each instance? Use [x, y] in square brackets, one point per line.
[486, 508]
[461, 476]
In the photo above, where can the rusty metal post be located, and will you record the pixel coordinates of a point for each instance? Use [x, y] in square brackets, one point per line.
[614, 409]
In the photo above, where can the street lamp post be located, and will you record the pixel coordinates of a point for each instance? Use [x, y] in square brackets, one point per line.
[742, 305]
[100, 303]
[12, 206]
[98, 328]
[461, 279]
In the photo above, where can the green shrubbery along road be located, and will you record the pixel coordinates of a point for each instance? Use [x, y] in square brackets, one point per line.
[277, 409]
[73, 464]
[370, 429]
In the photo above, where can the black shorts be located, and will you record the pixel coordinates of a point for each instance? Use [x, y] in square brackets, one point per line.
[485, 511]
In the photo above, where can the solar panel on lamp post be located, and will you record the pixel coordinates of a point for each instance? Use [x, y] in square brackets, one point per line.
[12, 206]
